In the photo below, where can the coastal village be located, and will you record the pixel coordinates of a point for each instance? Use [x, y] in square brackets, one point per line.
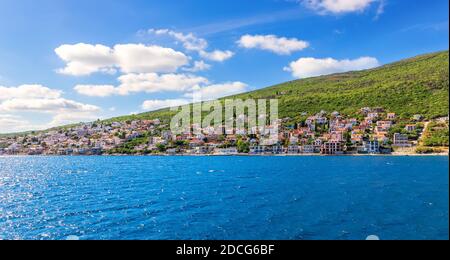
[373, 131]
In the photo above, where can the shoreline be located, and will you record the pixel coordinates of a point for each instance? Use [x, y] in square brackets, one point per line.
[241, 155]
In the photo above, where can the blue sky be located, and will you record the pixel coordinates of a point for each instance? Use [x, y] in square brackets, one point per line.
[67, 61]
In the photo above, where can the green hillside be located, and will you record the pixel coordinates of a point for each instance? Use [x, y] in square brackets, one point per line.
[418, 85]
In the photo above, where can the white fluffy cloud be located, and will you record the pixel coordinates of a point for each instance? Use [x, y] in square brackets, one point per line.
[96, 90]
[198, 66]
[311, 67]
[144, 82]
[216, 91]
[189, 41]
[46, 105]
[13, 123]
[339, 6]
[138, 58]
[278, 45]
[193, 43]
[29, 99]
[70, 118]
[217, 55]
[205, 93]
[28, 91]
[84, 59]
[152, 83]
[38, 98]
[152, 105]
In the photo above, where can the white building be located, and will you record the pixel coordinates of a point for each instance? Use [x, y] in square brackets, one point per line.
[401, 140]
[226, 151]
[372, 147]
[308, 149]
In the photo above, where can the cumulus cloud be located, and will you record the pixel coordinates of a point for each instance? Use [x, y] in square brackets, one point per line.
[46, 105]
[193, 43]
[38, 99]
[70, 118]
[204, 93]
[138, 58]
[339, 6]
[152, 83]
[96, 90]
[216, 91]
[28, 91]
[13, 123]
[198, 66]
[189, 41]
[311, 67]
[278, 45]
[144, 82]
[152, 105]
[84, 59]
[217, 55]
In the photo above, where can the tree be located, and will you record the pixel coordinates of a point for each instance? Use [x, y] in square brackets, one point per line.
[243, 147]
[161, 148]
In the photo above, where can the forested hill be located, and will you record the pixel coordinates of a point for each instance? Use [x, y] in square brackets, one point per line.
[418, 85]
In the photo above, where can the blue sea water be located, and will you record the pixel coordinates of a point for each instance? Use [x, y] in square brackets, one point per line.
[224, 197]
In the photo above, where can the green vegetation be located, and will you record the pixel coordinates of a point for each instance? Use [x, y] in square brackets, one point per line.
[415, 86]
[243, 146]
[437, 134]
[428, 150]
[129, 146]
[418, 85]
[400, 128]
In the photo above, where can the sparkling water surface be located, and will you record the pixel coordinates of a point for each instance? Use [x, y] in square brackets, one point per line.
[224, 197]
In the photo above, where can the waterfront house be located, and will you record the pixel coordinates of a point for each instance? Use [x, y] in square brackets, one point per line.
[14, 148]
[36, 150]
[401, 140]
[371, 147]
[196, 143]
[201, 150]
[257, 149]
[226, 151]
[332, 148]
[172, 151]
[277, 149]
[307, 149]
[293, 149]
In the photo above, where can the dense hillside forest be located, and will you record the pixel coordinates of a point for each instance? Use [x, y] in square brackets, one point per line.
[418, 85]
